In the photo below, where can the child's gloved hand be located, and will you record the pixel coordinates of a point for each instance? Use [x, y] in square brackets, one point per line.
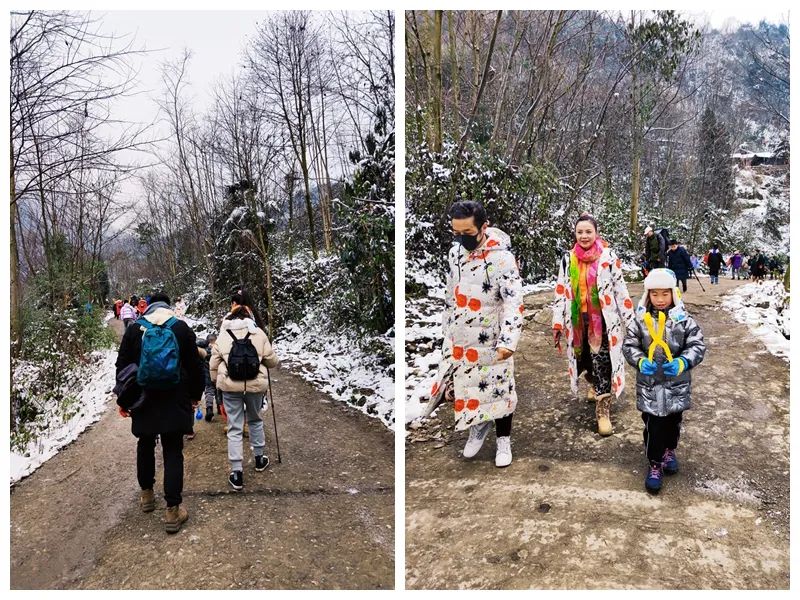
[647, 367]
[675, 367]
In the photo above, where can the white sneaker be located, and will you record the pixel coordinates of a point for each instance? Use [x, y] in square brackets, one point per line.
[477, 435]
[502, 458]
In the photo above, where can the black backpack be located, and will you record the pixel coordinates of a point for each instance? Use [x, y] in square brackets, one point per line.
[243, 362]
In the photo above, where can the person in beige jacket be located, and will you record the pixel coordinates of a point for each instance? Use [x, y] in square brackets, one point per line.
[242, 397]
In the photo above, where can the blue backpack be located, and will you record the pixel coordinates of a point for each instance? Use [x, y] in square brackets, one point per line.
[159, 363]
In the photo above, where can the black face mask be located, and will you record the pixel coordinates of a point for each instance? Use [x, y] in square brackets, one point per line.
[469, 242]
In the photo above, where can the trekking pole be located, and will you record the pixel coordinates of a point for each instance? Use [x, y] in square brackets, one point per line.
[698, 280]
[274, 421]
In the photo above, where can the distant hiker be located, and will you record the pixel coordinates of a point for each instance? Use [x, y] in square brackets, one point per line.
[210, 392]
[654, 249]
[166, 408]
[239, 363]
[482, 323]
[714, 263]
[695, 262]
[736, 265]
[128, 313]
[591, 313]
[180, 308]
[142, 305]
[117, 308]
[679, 261]
[758, 265]
[664, 357]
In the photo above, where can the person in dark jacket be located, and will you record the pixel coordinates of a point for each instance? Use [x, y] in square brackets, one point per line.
[680, 262]
[654, 250]
[664, 343]
[715, 261]
[210, 392]
[758, 266]
[167, 414]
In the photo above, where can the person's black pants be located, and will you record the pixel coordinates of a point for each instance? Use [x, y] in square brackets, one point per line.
[682, 282]
[661, 433]
[502, 426]
[172, 447]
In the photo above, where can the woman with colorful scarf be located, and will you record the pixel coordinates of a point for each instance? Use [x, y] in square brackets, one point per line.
[592, 312]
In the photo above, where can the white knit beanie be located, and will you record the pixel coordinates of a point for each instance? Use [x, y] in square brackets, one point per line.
[648, 229]
[660, 279]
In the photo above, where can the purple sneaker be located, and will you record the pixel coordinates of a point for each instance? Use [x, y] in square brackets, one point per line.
[653, 480]
[670, 462]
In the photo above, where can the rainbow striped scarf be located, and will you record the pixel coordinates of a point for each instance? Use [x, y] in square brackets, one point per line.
[583, 265]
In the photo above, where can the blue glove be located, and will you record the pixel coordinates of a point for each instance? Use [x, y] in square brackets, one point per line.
[675, 367]
[647, 367]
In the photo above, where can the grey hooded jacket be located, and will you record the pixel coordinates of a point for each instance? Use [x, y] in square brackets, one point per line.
[658, 394]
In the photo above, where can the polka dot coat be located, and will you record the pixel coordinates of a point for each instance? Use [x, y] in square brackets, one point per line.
[484, 312]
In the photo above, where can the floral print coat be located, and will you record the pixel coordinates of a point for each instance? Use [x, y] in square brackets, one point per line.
[617, 309]
[483, 312]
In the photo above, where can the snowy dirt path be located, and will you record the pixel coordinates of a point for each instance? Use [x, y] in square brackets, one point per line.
[321, 519]
[572, 512]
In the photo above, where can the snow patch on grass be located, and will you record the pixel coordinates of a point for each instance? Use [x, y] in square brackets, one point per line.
[764, 309]
[93, 383]
[358, 374]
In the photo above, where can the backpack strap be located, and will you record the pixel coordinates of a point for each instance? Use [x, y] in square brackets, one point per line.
[230, 333]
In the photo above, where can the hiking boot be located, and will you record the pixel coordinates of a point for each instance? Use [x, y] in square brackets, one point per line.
[209, 414]
[603, 414]
[236, 480]
[670, 462]
[477, 435]
[591, 395]
[176, 516]
[147, 501]
[654, 476]
[262, 462]
[502, 457]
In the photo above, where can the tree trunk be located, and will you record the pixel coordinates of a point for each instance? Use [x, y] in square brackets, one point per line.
[436, 96]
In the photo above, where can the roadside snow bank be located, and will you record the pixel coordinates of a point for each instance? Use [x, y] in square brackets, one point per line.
[93, 383]
[764, 309]
[336, 365]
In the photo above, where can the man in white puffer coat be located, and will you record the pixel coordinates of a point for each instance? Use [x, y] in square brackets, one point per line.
[482, 325]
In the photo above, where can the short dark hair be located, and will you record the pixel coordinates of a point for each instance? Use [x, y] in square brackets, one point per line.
[159, 297]
[464, 209]
[587, 217]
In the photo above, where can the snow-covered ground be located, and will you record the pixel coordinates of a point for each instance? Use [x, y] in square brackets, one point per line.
[337, 366]
[761, 307]
[92, 385]
[334, 364]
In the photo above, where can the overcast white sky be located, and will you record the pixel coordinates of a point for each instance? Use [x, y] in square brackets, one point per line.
[218, 38]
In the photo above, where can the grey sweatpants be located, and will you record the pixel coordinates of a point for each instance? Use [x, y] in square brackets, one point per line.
[237, 404]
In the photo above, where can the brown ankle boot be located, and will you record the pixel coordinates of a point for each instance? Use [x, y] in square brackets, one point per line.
[147, 501]
[603, 413]
[176, 516]
[591, 396]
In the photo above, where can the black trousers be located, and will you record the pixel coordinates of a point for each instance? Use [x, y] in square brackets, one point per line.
[682, 282]
[172, 447]
[661, 433]
[502, 426]
[596, 365]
